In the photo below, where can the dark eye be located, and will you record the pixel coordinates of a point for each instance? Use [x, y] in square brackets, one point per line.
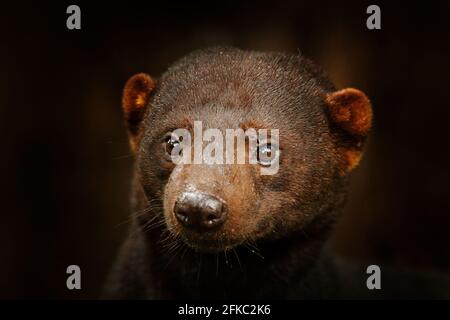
[171, 142]
[267, 154]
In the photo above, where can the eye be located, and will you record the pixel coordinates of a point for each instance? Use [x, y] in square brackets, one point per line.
[267, 154]
[171, 142]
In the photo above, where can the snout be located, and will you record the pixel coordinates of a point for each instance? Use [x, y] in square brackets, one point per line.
[200, 211]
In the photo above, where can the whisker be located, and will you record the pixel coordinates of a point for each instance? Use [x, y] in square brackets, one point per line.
[227, 263]
[132, 215]
[252, 250]
[237, 258]
[253, 245]
[175, 248]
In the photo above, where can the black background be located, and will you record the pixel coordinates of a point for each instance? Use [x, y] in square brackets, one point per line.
[65, 158]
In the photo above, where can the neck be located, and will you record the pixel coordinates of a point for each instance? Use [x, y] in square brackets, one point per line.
[250, 271]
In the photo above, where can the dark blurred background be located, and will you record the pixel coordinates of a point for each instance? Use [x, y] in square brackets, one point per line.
[65, 159]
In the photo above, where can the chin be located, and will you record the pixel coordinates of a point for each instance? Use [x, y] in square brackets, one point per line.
[205, 243]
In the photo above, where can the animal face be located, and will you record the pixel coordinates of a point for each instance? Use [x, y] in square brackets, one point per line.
[215, 205]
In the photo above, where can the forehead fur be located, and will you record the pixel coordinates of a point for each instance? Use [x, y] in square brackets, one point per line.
[261, 86]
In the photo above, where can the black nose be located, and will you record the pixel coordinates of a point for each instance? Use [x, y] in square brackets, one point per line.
[200, 211]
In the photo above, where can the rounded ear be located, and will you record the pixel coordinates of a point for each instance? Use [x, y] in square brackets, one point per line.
[136, 96]
[350, 114]
[351, 110]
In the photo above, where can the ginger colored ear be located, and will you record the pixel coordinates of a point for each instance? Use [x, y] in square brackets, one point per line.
[350, 112]
[136, 96]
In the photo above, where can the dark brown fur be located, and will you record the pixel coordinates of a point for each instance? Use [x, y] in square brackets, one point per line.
[277, 225]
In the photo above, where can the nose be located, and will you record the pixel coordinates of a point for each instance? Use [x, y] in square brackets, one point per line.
[199, 211]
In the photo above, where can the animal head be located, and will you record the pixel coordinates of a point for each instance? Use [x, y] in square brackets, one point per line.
[214, 206]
